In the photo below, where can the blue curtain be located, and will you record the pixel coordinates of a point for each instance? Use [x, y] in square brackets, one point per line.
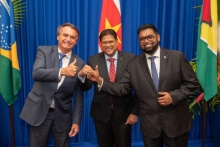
[176, 22]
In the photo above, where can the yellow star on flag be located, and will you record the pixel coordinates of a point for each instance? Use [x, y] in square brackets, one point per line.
[115, 28]
[111, 19]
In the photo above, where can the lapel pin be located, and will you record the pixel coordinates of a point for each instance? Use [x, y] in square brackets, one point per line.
[164, 57]
[121, 58]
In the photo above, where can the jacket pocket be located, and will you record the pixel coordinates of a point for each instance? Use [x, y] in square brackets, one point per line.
[67, 106]
[35, 94]
[96, 99]
[182, 106]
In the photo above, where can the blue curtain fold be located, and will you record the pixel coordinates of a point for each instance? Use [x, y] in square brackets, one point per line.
[177, 25]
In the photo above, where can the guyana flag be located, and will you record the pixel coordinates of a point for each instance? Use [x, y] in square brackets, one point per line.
[207, 49]
[111, 19]
[10, 81]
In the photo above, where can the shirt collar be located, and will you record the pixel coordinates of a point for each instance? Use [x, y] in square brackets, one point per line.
[115, 56]
[157, 53]
[68, 55]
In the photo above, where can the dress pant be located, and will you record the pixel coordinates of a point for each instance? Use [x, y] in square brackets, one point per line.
[112, 133]
[39, 135]
[179, 141]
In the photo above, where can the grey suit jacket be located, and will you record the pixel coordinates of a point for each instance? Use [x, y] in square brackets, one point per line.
[100, 109]
[44, 91]
[176, 77]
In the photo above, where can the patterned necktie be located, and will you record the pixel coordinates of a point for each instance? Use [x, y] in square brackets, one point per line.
[112, 70]
[111, 75]
[154, 72]
[61, 60]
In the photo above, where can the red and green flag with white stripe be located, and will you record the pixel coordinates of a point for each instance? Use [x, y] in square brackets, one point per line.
[111, 19]
[207, 49]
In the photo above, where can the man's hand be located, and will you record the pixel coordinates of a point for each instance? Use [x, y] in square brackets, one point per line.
[70, 70]
[74, 130]
[83, 72]
[164, 98]
[94, 75]
[132, 119]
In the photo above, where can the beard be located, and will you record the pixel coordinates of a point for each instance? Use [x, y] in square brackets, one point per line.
[150, 50]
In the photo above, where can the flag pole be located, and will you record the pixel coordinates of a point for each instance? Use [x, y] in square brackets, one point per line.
[12, 126]
[204, 123]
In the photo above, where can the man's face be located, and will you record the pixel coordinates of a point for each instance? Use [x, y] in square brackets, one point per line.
[67, 39]
[109, 45]
[148, 40]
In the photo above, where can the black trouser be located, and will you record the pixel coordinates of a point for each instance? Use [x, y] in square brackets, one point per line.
[113, 133]
[180, 141]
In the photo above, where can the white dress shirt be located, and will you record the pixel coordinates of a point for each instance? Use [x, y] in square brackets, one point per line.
[65, 63]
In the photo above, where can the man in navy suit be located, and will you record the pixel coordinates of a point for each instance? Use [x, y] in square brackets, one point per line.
[113, 116]
[162, 88]
[48, 107]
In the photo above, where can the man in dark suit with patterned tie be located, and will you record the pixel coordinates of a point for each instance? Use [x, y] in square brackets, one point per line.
[162, 81]
[48, 107]
[113, 116]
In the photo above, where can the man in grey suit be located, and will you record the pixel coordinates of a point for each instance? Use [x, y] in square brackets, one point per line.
[162, 87]
[113, 116]
[48, 107]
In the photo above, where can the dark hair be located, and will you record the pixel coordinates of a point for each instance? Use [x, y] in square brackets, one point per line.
[65, 25]
[107, 32]
[147, 26]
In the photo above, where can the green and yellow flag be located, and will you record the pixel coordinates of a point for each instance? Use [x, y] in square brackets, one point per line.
[10, 80]
[207, 49]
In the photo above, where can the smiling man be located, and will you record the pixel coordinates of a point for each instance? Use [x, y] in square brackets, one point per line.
[162, 81]
[48, 107]
[113, 116]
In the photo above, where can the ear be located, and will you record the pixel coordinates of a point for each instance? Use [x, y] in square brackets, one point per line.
[158, 37]
[116, 43]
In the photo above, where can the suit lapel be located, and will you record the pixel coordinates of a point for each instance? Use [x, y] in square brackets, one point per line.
[66, 77]
[163, 64]
[120, 63]
[72, 58]
[103, 66]
[143, 63]
[55, 57]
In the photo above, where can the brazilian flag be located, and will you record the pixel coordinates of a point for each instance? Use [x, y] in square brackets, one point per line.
[10, 80]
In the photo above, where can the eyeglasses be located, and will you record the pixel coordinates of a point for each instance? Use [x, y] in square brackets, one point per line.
[108, 42]
[149, 38]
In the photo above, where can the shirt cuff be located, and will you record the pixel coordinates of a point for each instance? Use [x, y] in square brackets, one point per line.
[100, 85]
[82, 79]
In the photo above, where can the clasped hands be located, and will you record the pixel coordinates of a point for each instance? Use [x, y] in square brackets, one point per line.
[91, 74]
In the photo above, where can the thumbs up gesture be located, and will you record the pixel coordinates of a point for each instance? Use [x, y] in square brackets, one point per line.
[70, 70]
[94, 75]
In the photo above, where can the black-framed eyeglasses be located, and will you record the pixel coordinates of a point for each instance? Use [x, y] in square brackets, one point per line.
[149, 38]
[105, 43]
